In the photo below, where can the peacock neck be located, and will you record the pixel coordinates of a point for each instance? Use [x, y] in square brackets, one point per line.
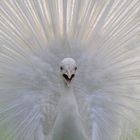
[68, 90]
[68, 125]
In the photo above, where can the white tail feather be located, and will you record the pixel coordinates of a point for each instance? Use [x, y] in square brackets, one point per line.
[103, 36]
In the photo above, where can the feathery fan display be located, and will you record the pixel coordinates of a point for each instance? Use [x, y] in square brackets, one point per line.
[102, 102]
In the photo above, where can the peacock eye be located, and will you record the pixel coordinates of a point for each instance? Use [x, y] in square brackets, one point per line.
[61, 68]
[75, 68]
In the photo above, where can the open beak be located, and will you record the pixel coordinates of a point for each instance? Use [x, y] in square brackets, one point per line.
[68, 77]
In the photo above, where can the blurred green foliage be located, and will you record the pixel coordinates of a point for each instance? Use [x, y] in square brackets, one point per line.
[4, 135]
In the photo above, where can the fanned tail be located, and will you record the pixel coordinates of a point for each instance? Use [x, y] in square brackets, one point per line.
[103, 36]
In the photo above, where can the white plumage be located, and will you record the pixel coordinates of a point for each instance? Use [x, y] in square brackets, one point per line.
[101, 38]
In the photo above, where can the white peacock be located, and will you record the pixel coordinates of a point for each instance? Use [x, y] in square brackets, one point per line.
[69, 69]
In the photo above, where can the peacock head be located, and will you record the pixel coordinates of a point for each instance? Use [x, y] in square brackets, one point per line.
[68, 69]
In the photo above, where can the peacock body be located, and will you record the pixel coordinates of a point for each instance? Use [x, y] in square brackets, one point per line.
[69, 69]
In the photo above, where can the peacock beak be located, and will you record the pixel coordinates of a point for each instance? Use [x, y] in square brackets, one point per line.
[68, 77]
[69, 74]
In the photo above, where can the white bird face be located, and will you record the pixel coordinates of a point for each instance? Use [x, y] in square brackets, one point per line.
[68, 69]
